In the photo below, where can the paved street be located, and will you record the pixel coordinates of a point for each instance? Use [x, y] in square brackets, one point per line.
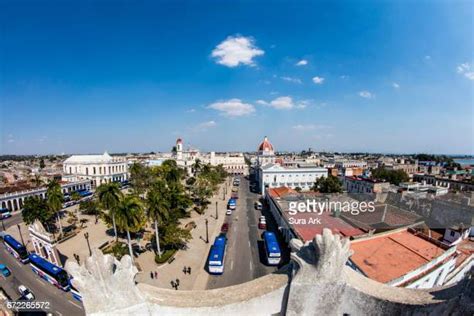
[245, 259]
[61, 303]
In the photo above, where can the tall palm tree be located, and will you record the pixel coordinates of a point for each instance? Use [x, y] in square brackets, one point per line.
[54, 200]
[158, 208]
[130, 216]
[109, 195]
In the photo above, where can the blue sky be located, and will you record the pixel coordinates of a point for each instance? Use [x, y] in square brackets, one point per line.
[378, 76]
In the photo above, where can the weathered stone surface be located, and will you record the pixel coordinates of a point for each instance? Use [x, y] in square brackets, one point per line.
[317, 282]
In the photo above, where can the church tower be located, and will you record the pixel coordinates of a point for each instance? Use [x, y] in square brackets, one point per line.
[266, 153]
[179, 149]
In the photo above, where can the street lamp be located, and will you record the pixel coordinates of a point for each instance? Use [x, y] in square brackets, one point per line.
[86, 236]
[207, 232]
[19, 229]
[217, 214]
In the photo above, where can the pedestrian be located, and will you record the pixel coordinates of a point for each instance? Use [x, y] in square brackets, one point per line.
[189, 270]
[151, 274]
[184, 270]
[177, 282]
[156, 275]
[172, 283]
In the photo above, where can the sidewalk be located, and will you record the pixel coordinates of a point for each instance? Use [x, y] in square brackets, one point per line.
[194, 256]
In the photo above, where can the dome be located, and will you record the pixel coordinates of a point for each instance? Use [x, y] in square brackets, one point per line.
[265, 145]
[179, 140]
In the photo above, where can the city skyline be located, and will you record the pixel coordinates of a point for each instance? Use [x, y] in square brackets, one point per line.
[347, 77]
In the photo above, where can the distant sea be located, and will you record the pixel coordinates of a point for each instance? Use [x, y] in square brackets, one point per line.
[465, 161]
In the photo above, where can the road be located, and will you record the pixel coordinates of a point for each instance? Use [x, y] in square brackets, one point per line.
[60, 302]
[245, 258]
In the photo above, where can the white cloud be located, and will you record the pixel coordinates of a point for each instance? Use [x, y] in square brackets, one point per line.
[427, 57]
[285, 103]
[318, 80]
[208, 124]
[302, 62]
[191, 111]
[291, 79]
[344, 76]
[232, 107]
[395, 85]
[10, 138]
[302, 127]
[366, 94]
[465, 69]
[236, 50]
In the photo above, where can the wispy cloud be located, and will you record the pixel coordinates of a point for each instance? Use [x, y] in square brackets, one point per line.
[292, 79]
[318, 80]
[190, 110]
[302, 62]
[366, 94]
[395, 85]
[232, 107]
[285, 103]
[307, 127]
[236, 50]
[427, 57]
[10, 138]
[206, 125]
[465, 70]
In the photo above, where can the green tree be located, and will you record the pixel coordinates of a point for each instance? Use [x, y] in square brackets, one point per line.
[42, 164]
[54, 200]
[35, 208]
[175, 236]
[140, 177]
[392, 176]
[109, 195]
[75, 196]
[130, 217]
[330, 184]
[158, 208]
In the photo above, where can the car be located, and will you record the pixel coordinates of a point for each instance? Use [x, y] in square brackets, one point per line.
[262, 223]
[26, 293]
[235, 189]
[4, 270]
[225, 228]
[228, 212]
[258, 206]
[234, 196]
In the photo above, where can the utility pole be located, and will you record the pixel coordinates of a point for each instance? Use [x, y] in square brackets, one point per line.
[217, 214]
[21, 236]
[86, 236]
[207, 233]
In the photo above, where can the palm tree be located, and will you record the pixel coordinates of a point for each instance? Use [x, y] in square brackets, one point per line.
[158, 208]
[54, 200]
[197, 166]
[129, 215]
[109, 195]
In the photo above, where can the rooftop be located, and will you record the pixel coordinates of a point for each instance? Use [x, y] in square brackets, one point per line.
[389, 256]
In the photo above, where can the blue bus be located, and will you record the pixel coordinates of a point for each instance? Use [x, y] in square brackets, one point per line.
[5, 213]
[50, 272]
[217, 255]
[272, 249]
[232, 204]
[75, 293]
[15, 248]
[84, 193]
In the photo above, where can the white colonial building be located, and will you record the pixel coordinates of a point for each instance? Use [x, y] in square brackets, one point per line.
[273, 175]
[97, 168]
[233, 163]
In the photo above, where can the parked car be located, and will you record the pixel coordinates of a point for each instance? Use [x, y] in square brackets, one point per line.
[234, 189]
[262, 223]
[228, 212]
[4, 270]
[258, 205]
[26, 293]
[225, 228]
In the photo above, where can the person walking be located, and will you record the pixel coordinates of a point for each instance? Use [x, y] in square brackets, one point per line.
[185, 270]
[151, 275]
[156, 275]
[177, 282]
[189, 270]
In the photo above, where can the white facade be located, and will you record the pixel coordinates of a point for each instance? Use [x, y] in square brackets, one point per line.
[272, 175]
[97, 168]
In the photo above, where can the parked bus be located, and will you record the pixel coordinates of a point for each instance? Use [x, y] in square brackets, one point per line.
[232, 204]
[272, 249]
[15, 248]
[50, 272]
[5, 213]
[217, 255]
[75, 294]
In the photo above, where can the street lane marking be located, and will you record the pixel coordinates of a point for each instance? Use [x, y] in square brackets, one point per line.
[17, 263]
[249, 244]
[251, 267]
[39, 281]
[231, 264]
[78, 306]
